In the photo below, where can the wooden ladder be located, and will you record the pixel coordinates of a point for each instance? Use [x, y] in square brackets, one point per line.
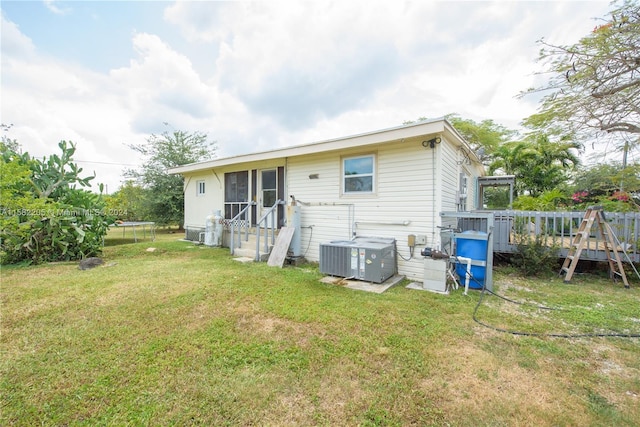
[580, 240]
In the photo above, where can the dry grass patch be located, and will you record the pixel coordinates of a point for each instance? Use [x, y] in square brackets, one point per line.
[497, 391]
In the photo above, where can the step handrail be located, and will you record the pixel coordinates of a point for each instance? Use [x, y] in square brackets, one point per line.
[235, 224]
[270, 226]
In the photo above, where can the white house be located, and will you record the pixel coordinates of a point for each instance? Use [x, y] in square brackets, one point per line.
[390, 183]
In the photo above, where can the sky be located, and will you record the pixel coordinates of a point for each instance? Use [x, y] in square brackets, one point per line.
[259, 75]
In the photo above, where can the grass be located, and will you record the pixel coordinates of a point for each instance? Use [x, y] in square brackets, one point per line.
[185, 335]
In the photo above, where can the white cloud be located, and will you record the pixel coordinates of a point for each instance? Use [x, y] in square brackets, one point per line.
[14, 43]
[161, 85]
[307, 61]
[51, 5]
[256, 75]
[301, 63]
[49, 101]
[201, 21]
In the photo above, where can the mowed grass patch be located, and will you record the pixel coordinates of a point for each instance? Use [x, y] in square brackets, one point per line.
[185, 335]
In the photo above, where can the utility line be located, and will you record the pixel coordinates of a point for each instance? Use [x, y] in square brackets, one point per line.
[104, 163]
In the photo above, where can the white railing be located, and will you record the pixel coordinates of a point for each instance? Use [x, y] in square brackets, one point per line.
[269, 223]
[239, 223]
[559, 228]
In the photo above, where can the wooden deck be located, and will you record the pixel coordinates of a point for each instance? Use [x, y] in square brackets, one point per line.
[557, 228]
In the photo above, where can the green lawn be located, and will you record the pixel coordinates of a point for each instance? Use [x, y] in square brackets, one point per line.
[185, 335]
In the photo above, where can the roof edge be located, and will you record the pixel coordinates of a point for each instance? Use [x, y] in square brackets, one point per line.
[365, 138]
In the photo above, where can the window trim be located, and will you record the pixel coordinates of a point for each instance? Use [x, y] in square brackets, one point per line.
[200, 188]
[373, 175]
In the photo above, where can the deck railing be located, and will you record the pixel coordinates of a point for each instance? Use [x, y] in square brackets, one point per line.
[559, 228]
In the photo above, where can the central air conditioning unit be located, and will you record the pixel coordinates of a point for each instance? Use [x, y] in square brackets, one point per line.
[372, 259]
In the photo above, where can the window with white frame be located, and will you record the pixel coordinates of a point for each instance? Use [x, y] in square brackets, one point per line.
[358, 174]
[200, 188]
[464, 192]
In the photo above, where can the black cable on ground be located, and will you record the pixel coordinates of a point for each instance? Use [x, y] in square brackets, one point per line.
[485, 291]
[541, 307]
[535, 334]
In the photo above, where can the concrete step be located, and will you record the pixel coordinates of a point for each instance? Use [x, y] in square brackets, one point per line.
[249, 251]
[248, 247]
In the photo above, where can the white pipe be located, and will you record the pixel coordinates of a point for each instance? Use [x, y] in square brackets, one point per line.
[405, 223]
[468, 275]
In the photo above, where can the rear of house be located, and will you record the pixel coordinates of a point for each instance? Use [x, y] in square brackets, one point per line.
[391, 183]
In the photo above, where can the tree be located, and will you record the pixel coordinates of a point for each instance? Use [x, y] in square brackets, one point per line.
[599, 183]
[597, 180]
[16, 201]
[127, 204]
[484, 137]
[538, 164]
[165, 195]
[9, 144]
[595, 88]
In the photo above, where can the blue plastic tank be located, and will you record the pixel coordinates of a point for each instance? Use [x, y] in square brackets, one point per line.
[473, 246]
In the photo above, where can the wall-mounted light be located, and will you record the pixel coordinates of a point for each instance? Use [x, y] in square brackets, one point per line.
[314, 176]
[431, 143]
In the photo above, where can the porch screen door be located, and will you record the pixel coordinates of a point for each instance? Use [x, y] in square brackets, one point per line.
[236, 193]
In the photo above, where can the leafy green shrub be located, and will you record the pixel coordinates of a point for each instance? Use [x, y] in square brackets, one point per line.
[63, 236]
[534, 255]
[618, 202]
[43, 216]
[552, 200]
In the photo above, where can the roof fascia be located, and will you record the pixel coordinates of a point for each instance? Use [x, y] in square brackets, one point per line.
[398, 133]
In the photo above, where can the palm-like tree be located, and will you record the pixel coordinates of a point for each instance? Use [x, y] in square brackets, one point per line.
[538, 164]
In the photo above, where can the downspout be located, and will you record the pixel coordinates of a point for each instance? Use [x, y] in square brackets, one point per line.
[433, 180]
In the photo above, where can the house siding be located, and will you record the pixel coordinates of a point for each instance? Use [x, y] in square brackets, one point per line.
[401, 205]
[413, 184]
[450, 178]
[196, 208]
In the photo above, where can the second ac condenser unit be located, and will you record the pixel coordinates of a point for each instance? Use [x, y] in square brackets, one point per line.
[372, 259]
